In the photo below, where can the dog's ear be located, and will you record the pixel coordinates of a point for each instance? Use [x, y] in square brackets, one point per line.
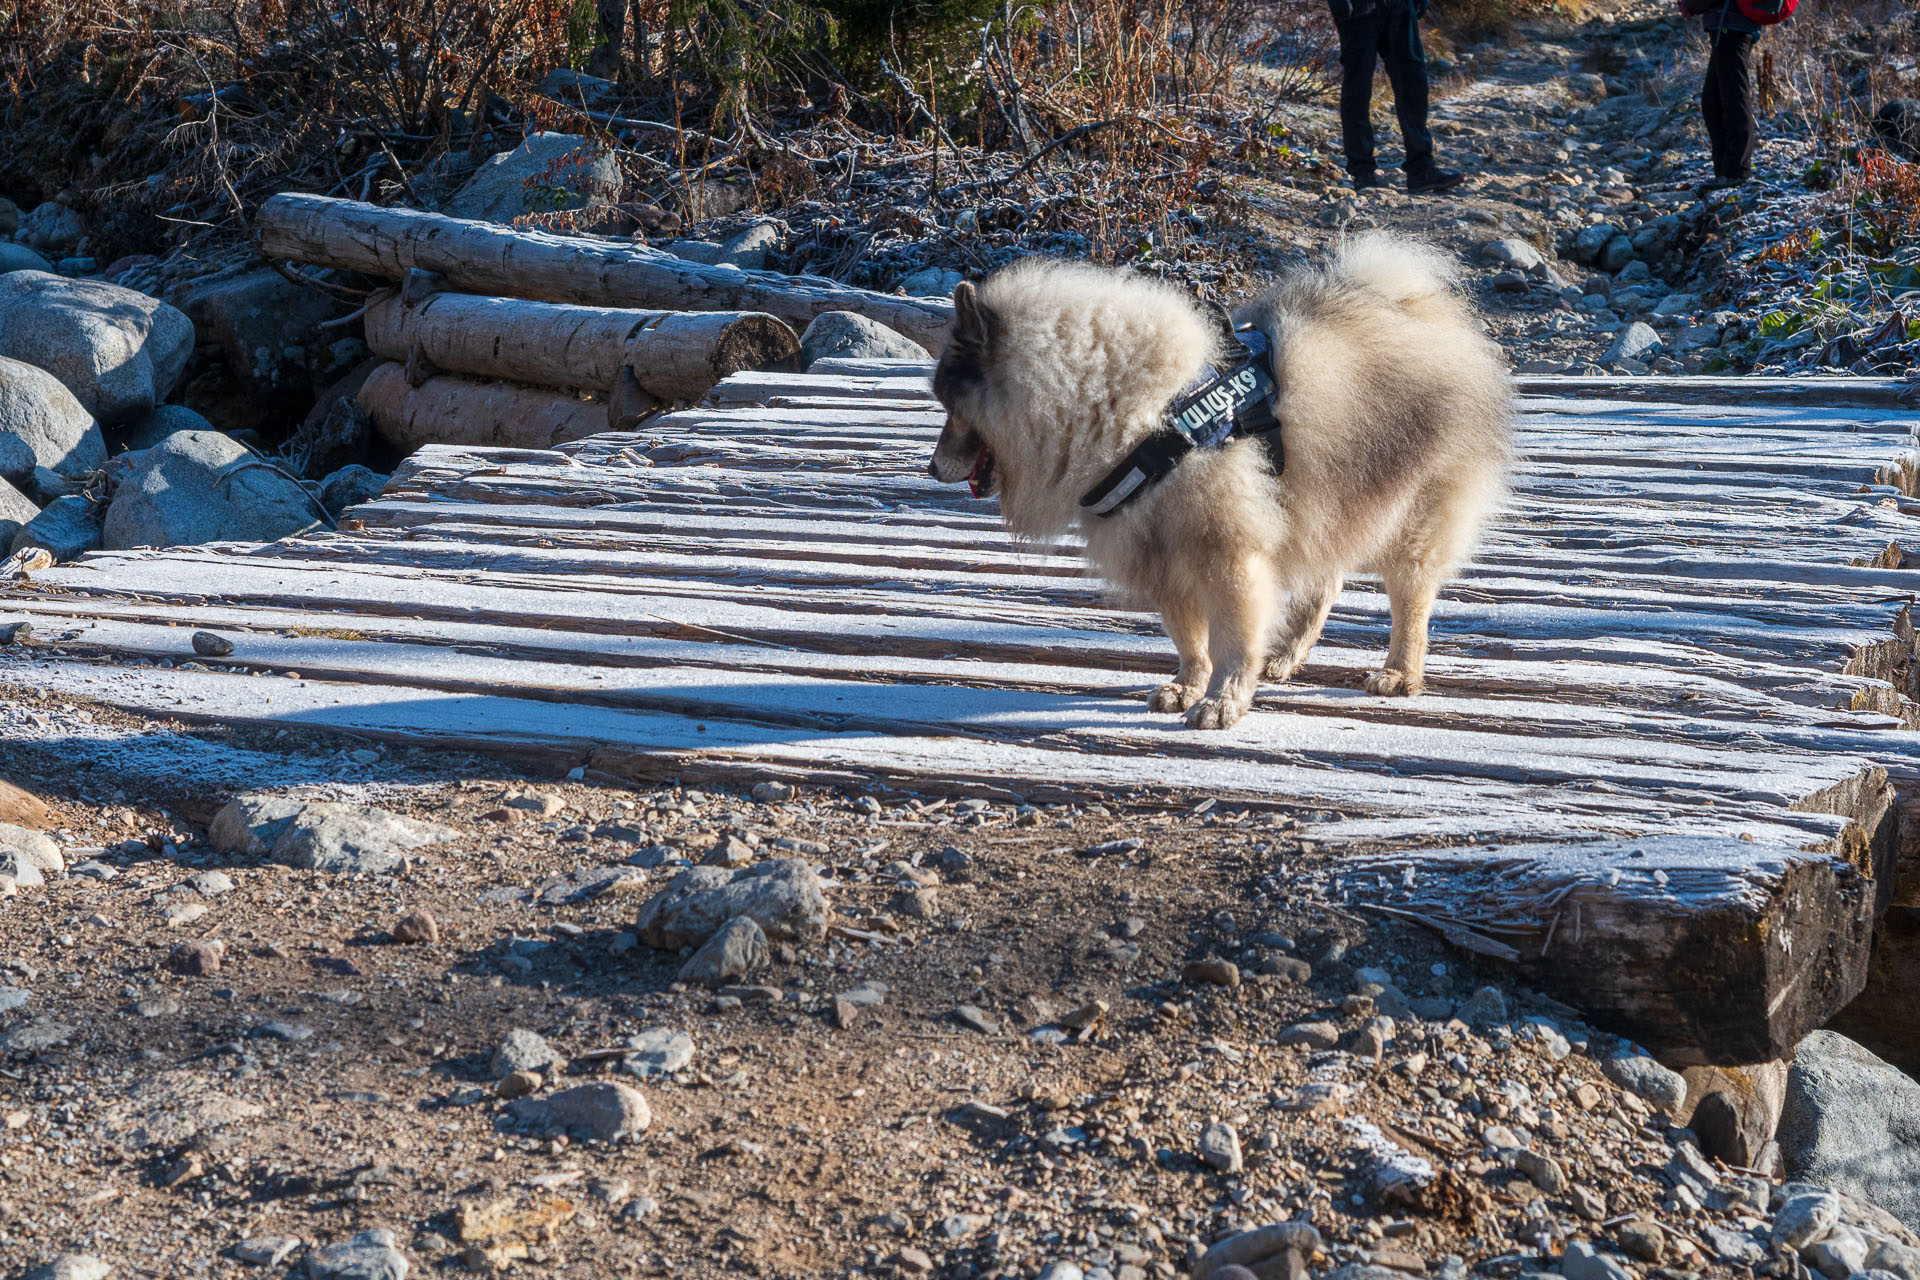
[974, 325]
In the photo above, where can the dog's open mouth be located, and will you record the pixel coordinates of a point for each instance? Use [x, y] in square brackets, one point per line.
[981, 480]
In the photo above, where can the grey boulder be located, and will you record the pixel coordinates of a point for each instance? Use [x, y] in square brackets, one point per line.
[66, 527]
[15, 511]
[119, 351]
[43, 425]
[737, 950]
[200, 486]
[1641, 1076]
[521, 1050]
[17, 257]
[1852, 1122]
[843, 335]
[167, 420]
[348, 837]
[1511, 252]
[931, 282]
[50, 225]
[350, 486]
[249, 825]
[1637, 341]
[658, 1051]
[604, 1111]
[371, 1255]
[782, 896]
[547, 173]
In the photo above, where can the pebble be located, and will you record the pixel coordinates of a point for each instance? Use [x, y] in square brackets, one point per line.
[211, 884]
[208, 644]
[289, 1032]
[975, 1018]
[1217, 973]
[1641, 1076]
[658, 1051]
[1641, 1240]
[604, 1111]
[1220, 1148]
[1484, 1008]
[73, 1266]
[417, 928]
[1583, 1262]
[266, 1251]
[197, 959]
[521, 1050]
[1542, 1170]
[771, 792]
[1313, 1035]
[518, 1084]
[1805, 1218]
[371, 1255]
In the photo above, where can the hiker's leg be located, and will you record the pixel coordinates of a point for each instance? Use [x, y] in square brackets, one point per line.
[1359, 54]
[1406, 64]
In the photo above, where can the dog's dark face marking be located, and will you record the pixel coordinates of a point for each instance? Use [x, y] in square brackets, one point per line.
[963, 453]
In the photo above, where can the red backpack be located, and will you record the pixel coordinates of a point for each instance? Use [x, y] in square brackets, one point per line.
[1763, 13]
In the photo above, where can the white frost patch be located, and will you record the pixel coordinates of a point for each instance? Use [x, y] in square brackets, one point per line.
[1395, 1172]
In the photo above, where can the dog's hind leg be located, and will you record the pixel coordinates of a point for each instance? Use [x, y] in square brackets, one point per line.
[1187, 627]
[1239, 626]
[1411, 586]
[1306, 613]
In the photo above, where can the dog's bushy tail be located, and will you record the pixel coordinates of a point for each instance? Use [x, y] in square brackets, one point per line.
[1408, 273]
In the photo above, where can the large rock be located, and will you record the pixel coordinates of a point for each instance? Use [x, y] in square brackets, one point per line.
[521, 1050]
[15, 510]
[120, 352]
[51, 225]
[167, 420]
[844, 335]
[73, 1266]
[66, 527]
[249, 825]
[738, 949]
[1638, 341]
[43, 425]
[1511, 252]
[604, 1111]
[17, 257]
[1641, 1076]
[1587, 245]
[782, 896]
[1734, 1110]
[350, 486]
[1851, 1121]
[268, 328]
[200, 486]
[350, 837]
[546, 173]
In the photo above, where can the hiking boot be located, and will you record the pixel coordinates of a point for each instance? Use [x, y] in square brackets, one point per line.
[1371, 178]
[1431, 180]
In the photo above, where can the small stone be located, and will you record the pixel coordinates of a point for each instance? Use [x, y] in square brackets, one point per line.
[1217, 973]
[521, 1050]
[1583, 1262]
[913, 1261]
[1641, 1076]
[737, 950]
[640, 1208]
[604, 1111]
[1485, 1008]
[1735, 1248]
[1313, 1035]
[417, 928]
[1587, 1202]
[371, 1255]
[518, 1084]
[1542, 1170]
[209, 645]
[286, 1032]
[731, 851]
[975, 1019]
[73, 1266]
[179, 915]
[657, 1051]
[771, 792]
[1805, 1218]
[916, 904]
[1220, 1148]
[1638, 341]
[266, 1251]
[1641, 1240]
[197, 959]
[1287, 969]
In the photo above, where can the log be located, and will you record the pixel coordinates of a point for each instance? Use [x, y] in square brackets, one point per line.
[674, 355]
[448, 410]
[483, 257]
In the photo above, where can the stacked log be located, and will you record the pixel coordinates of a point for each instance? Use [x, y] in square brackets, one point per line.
[504, 336]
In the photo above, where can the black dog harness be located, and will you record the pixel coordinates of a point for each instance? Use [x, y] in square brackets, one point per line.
[1213, 409]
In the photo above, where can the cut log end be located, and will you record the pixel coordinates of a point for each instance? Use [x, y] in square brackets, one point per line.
[756, 344]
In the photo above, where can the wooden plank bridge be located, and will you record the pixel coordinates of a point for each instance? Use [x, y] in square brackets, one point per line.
[1659, 766]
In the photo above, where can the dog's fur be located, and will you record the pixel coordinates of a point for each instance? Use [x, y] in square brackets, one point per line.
[1396, 412]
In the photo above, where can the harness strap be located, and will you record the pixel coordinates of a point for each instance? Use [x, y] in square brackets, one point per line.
[1207, 415]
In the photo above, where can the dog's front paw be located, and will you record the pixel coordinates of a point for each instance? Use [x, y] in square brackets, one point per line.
[1389, 683]
[1278, 670]
[1173, 696]
[1215, 713]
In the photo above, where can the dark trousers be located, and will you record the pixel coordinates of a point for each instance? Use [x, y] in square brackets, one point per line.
[1727, 103]
[1387, 37]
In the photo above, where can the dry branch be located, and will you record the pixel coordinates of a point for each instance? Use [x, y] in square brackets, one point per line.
[482, 257]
